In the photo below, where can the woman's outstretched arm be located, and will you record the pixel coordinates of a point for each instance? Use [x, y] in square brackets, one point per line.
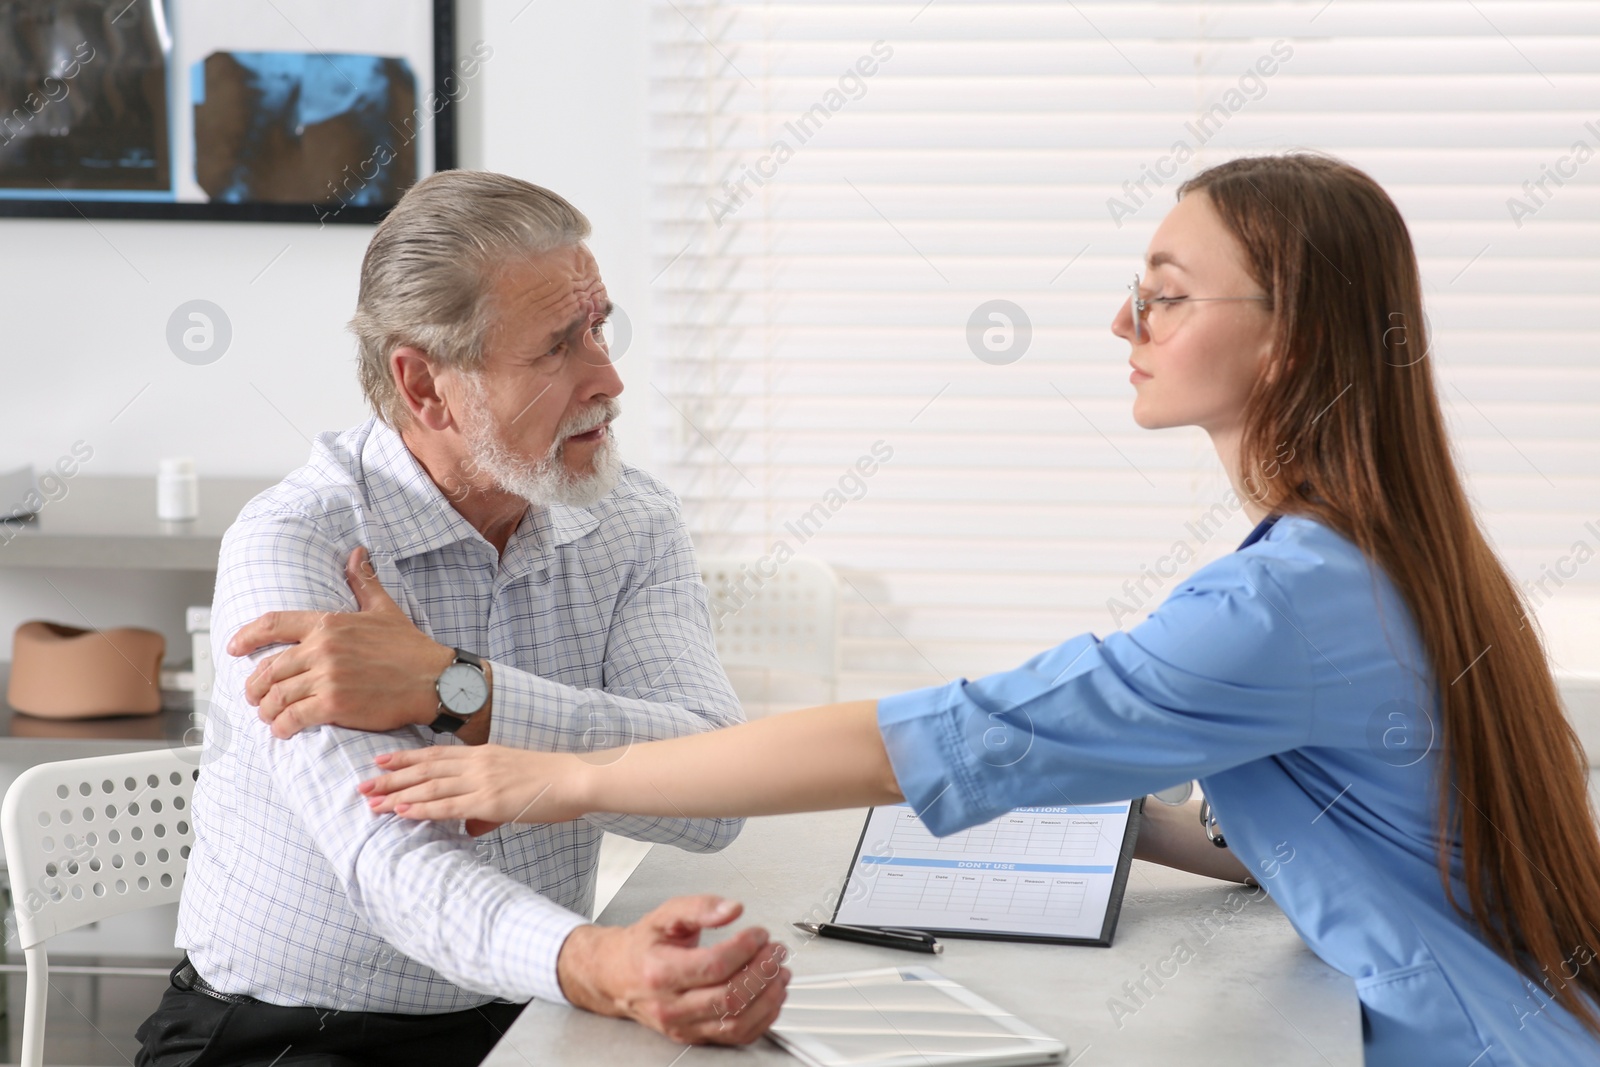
[812, 760]
[816, 759]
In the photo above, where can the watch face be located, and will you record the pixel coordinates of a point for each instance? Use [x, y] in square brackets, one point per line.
[463, 688]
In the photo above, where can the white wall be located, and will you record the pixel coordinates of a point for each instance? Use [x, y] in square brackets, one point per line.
[561, 102]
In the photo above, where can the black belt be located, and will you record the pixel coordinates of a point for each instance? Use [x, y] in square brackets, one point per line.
[185, 977]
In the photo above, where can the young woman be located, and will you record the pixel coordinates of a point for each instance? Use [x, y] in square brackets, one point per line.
[1358, 686]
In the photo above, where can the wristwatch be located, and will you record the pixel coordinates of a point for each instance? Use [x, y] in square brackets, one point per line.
[463, 690]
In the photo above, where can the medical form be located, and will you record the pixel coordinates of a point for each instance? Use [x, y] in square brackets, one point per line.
[1034, 874]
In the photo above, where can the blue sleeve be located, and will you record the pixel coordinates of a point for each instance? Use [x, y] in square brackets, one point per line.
[1219, 675]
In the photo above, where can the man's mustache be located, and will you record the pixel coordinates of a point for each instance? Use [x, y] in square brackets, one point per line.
[604, 411]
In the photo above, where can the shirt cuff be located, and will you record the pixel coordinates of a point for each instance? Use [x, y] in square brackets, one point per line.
[927, 745]
[516, 692]
[537, 939]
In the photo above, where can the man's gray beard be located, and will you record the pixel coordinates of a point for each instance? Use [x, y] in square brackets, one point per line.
[546, 481]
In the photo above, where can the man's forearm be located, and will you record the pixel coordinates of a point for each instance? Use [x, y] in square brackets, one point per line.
[1174, 837]
[427, 893]
[538, 713]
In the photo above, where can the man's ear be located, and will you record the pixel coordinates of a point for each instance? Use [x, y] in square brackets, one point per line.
[415, 377]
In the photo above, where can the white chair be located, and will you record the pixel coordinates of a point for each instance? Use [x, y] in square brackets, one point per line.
[88, 839]
[776, 617]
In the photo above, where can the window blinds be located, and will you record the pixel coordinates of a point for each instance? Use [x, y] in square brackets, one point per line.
[889, 239]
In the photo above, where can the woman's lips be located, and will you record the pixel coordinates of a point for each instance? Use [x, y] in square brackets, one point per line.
[1138, 376]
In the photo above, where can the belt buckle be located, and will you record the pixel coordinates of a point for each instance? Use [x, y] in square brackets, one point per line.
[184, 976]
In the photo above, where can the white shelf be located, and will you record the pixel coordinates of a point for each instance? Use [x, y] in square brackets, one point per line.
[110, 522]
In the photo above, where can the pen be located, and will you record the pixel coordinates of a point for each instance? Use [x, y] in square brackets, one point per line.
[883, 937]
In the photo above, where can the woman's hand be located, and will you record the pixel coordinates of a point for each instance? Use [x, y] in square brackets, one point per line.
[484, 784]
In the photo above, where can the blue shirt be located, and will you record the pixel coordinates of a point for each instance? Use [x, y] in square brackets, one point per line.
[1289, 679]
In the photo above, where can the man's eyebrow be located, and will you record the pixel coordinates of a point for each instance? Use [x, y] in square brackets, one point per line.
[1163, 259]
[578, 323]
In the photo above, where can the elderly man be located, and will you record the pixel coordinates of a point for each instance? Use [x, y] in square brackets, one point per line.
[516, 583]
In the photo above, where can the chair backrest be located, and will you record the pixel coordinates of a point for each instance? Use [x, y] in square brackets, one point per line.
[90, 838]
[785, 619]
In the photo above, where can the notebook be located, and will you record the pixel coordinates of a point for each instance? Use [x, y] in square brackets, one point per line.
[903, 1017]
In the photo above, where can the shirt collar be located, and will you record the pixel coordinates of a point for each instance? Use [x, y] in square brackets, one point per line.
[1260, 531]
[415, 517]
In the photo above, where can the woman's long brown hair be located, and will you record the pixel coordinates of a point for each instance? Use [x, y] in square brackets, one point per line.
[1346, 419]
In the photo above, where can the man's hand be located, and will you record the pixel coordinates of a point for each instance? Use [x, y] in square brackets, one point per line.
[655, 973]
[368, 670]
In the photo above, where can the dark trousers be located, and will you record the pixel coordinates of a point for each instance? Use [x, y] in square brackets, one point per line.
[193, 1027]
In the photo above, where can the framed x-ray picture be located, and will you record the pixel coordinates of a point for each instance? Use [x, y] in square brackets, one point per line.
[275, 110]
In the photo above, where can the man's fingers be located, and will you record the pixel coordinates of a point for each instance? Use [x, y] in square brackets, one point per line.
[748, 1018]
[274, 628]
[363, 579]
[730, 1013]
[683, 917]
[715, 964]
[292, 720]
[261, 679]
[283, 693]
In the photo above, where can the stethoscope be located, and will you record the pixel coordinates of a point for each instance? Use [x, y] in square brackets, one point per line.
[1179, 795]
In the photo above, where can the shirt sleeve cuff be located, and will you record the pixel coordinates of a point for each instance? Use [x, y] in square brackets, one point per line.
[924, 736]
[543, 935]
[512, 724]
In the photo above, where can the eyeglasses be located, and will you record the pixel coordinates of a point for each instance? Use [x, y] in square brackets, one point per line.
[1142, 307]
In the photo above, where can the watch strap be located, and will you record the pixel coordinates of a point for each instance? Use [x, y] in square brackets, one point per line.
[1208, 819]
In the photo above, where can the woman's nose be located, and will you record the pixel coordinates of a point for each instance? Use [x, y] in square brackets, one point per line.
[1122, 323]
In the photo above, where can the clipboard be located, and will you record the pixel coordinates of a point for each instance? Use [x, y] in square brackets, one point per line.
[1055, 875]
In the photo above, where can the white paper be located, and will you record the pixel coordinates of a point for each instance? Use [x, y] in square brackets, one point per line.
[903, 1017]
[1044, 872]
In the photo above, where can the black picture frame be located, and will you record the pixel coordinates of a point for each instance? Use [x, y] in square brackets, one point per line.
[444, 158]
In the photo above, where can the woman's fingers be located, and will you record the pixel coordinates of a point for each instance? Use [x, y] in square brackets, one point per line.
[389, 783]
[407, 757]
[449, 810]
[451, 782]
[410, 766]
[430, 789]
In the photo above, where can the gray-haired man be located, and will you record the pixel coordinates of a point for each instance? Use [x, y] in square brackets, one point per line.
[515, 582]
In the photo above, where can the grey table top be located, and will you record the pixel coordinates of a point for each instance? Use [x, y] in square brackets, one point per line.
[110, 521]
[1249, 990]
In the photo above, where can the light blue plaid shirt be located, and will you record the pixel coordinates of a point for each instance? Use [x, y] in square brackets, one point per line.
[597, 625]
